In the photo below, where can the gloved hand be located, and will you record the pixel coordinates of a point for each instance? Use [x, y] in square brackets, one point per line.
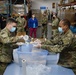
[26, 37]
[20, 37]
[38, 46]
[37, 41]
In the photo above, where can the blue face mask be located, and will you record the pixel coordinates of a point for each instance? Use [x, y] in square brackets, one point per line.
[60, 30]
[13, 29]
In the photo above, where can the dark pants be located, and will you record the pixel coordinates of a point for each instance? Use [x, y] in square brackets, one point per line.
[44, 30]
[33, 30]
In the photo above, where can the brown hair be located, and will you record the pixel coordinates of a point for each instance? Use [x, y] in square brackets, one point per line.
[11, 20]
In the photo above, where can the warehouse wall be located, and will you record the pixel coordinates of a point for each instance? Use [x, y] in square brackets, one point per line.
[36, 4]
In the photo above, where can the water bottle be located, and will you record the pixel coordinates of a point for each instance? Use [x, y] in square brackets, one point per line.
[23, 67]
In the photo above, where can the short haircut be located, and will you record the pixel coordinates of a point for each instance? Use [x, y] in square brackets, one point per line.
[66, 22]
[11, 20]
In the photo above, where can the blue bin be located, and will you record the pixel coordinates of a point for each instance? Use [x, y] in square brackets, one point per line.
[25, 48]
[52, 59]
[41, 51]
[32, 58]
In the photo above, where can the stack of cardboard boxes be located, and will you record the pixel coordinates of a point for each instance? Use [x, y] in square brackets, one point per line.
[71, 1]
[69, 14]
[69, 11]
[66, 1]
[18, 8]
[3, 7]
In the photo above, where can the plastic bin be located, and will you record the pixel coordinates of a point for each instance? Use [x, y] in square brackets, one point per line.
[42, 51]
[52, 59]
[25, 48]
[15, 56]
[32, 57]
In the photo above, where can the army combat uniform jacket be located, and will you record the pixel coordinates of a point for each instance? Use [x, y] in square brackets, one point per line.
[55, 23]
[59, 42]
[6, 48]
[21, 24]
[65, 44]
[44, 22]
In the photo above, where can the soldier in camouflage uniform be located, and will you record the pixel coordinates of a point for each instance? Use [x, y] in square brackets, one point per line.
[7, 43]
[54, 24]
[44, 25]
[63, 43]
[73, 52]
[21, 23]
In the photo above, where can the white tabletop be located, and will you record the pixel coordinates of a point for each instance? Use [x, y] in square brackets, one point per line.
[15, 69]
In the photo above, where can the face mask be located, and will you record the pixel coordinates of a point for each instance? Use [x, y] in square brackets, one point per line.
[60, 29]
[13, 29]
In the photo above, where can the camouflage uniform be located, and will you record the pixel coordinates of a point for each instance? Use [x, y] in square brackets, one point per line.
[21, 24]
[65, 45]
[44, 26]
[6, 49]
[73, 52]
[55, 23]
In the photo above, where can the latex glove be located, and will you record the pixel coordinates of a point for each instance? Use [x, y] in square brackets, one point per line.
[26, 37]
[19, 43]
[38, 46]
[20, 37]
[37, 41]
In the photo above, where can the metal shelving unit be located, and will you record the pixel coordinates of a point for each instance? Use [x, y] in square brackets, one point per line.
[4, 7]
[20, 8]
[67, 10]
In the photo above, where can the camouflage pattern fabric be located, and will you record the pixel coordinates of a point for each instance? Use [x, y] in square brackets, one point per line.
[54, 31]
[65, 44]
[44, 31]
[44, 20]
[60, 43]
[21, 24]
[55, 23]
[6, 36]
[5, 58]
[6, 51]
[73, 60]
[60, 40]
[44, 26]
[6, 48]
[2, 68]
